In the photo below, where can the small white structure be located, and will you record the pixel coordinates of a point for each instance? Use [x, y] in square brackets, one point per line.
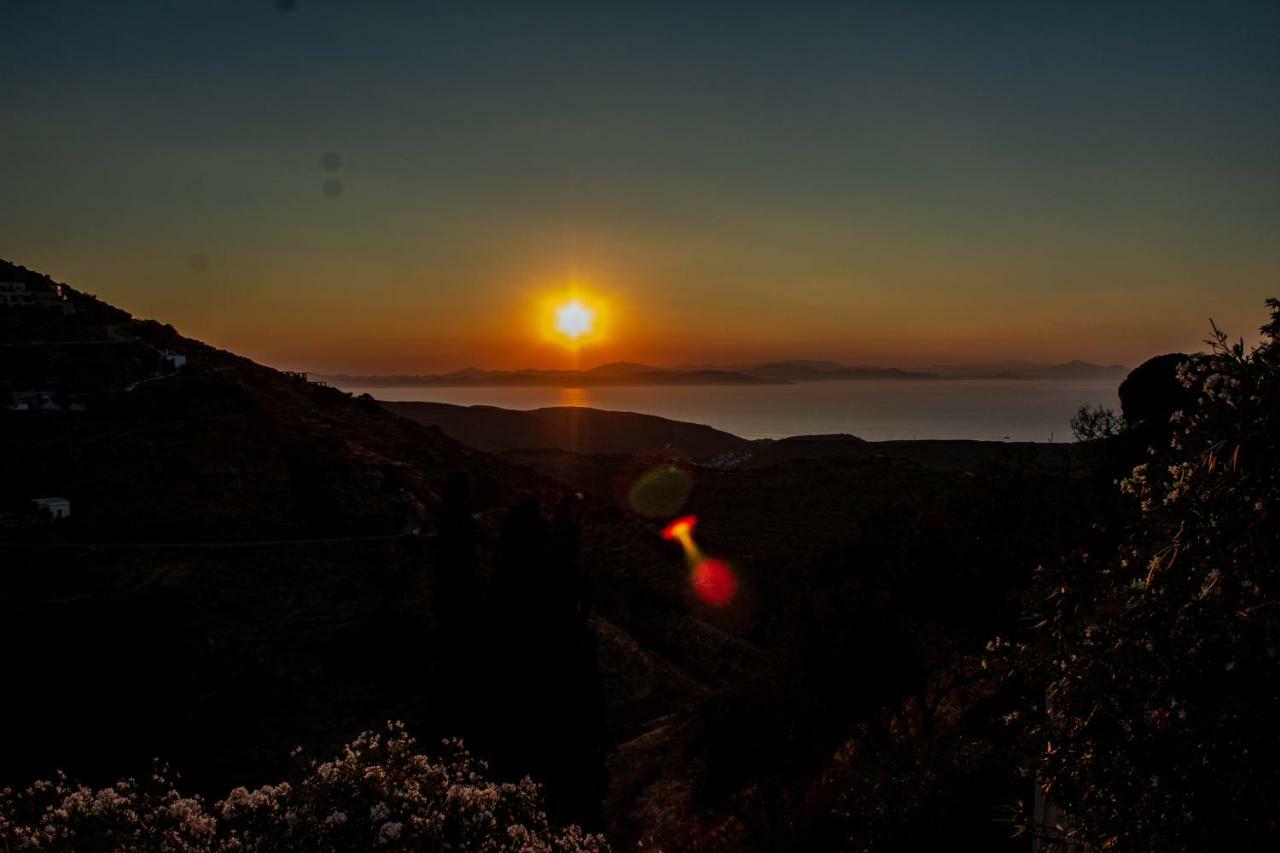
[35, 401]
[18, 294]
[56, 507]
[178, 360]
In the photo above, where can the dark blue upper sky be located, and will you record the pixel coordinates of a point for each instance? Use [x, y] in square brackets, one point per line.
[895, 181]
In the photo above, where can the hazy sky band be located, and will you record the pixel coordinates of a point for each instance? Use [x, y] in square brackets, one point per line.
[889, 182]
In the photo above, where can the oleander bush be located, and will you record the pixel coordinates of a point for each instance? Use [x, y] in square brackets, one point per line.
[1156, 665]
[380, 793]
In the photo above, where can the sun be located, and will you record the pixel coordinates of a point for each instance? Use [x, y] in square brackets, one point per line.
[574, 320]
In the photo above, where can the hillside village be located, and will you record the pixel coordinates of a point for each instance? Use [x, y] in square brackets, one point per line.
[64, 352]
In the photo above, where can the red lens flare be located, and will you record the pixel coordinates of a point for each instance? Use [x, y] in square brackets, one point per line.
[714, 583]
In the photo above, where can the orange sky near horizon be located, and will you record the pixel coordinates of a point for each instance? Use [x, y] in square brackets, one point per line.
[393, 187]
[406, 321]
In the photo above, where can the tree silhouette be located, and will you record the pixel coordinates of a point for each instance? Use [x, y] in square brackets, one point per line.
[1158, 662]
[546, 688]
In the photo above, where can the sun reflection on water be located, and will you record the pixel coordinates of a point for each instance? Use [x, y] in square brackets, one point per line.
[577, 397]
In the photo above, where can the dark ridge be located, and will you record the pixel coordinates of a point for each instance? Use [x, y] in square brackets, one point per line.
[581, 430]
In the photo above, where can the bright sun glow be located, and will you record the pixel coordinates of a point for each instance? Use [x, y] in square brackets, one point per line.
[574, 320]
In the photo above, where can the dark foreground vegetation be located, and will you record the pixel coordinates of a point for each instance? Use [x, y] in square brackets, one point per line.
[928, 647]
[380, 792]
[1153, 665]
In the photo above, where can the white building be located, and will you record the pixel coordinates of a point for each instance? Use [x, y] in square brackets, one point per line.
[56, 507]
[35, 401]
[15, 294]
[18, 294]
[175, 358]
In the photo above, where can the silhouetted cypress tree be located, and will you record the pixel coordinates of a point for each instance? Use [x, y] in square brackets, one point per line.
[457, 585]
[548, 691]
[458, 607]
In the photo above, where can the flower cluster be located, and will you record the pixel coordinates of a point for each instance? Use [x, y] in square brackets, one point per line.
[378, 794]
[57, 814]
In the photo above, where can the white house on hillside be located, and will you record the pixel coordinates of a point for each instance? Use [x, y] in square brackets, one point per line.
[35, 401]
[56, 507]
[18, 294]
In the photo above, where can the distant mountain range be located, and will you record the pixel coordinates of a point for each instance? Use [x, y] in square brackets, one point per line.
[820, 371]
[768, 373]
[617, 373]
[1031, 370]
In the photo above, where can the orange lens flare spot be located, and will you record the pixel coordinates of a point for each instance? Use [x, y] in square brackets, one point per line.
[681, 529]
[714, 582]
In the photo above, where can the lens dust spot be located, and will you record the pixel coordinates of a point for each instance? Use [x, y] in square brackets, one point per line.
[333, 188]
[661, 491]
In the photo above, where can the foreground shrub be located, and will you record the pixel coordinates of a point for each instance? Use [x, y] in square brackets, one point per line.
[1158, 662]
[378, 794]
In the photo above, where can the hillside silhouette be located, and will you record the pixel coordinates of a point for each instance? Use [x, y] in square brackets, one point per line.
[279, 563]
[254, 562]
[580, 429]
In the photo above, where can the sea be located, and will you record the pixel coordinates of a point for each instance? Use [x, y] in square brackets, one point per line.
[876, 410]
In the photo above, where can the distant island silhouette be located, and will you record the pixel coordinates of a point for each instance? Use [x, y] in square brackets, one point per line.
[622, 373]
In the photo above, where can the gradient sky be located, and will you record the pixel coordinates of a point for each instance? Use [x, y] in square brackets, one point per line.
[897, 183]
